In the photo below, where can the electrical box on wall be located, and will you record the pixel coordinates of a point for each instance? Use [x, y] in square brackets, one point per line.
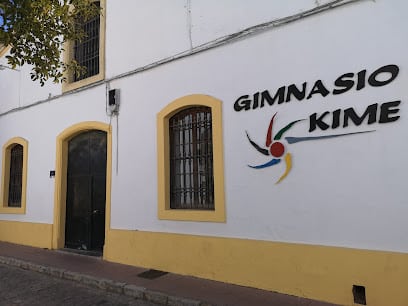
[113, 101]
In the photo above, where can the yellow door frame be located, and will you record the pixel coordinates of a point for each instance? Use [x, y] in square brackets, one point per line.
[60, 194]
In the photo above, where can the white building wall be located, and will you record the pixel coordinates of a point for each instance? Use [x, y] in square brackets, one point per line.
[212, 19]
[339, 190]
[342, 192]
[17, 89]
[141, 32]
[9, 87]
[161, 29]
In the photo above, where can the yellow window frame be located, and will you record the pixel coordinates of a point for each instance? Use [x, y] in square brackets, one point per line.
[4, 50]
[4, 208]
[163, 163]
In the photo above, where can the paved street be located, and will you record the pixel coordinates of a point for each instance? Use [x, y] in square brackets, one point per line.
[23, 287]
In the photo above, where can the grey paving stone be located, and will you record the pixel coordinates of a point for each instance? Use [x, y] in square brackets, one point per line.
[23, 265]
[134, 291]
[55, 272]
[90, 281]
[103, 283]
[36, 268]
[116, 287]
[155, 297]
[30, 288]
[73, 276]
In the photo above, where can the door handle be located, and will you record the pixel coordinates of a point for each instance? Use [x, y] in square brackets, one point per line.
[96, 211]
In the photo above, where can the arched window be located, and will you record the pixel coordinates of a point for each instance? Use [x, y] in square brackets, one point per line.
[190, 160]
[14, 179]
[15, 176]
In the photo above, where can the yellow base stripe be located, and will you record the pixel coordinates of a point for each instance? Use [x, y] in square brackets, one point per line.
[26, 233]
[317, 272]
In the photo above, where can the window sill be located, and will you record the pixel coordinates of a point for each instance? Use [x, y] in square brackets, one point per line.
[12, 210]
[192, 215]
[88, 81]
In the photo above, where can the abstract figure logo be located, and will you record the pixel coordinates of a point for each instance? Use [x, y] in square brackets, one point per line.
[275, 148]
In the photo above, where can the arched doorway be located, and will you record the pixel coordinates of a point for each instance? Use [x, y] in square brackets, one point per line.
[82, 187]
[86, 191]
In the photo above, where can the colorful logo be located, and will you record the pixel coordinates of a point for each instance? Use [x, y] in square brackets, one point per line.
[275, 148]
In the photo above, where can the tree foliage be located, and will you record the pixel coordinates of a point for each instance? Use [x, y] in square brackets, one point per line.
[36, 31]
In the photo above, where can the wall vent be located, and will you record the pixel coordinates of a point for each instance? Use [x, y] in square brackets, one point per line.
[359, 295]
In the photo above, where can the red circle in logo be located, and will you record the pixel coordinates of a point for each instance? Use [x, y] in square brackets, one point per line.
[277, 149]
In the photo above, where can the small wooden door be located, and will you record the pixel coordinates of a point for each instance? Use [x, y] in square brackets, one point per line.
[86, 191]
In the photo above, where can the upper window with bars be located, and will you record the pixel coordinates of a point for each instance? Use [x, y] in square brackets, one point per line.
[190, 160]
[89, 52]
[14, 176]
[86, 51]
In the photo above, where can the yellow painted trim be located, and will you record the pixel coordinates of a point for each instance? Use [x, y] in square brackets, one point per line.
[58, 231]
[316, 272]
[4, 209]
[4, 50]
[163, 175]
[69, 53]
[26, 233]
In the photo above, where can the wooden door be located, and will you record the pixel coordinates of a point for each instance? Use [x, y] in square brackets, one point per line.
[86, 191]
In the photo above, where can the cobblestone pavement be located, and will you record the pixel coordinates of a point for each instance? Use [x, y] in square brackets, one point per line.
[23, 287]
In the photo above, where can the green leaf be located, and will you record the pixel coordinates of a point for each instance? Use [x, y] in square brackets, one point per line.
[37, 30]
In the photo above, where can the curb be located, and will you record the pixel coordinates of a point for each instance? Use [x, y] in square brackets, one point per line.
[108, 285]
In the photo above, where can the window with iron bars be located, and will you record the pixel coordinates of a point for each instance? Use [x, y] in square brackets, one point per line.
[86, 51]
[16, 176]
[191, 159]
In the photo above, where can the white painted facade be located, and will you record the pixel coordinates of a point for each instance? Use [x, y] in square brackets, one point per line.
[347, 192]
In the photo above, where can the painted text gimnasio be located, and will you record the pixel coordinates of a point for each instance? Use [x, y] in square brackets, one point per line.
[344, 83]
[380, 77]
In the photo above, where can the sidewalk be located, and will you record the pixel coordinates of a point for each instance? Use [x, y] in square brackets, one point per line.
[167, 289]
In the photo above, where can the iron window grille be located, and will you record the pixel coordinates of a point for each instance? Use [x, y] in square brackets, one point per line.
[16, 176]
[191, 159]
[86, 51]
